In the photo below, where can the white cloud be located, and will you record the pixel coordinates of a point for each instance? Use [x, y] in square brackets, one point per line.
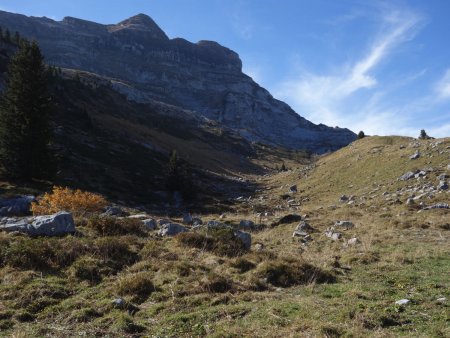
[443, 86]
[325, 98]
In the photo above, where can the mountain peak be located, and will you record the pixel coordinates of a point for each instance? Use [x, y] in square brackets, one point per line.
[142, 22]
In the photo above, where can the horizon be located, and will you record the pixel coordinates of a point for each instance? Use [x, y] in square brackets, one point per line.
[382, 68]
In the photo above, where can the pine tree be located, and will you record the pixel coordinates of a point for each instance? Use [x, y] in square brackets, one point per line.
[423, 135]
[179, 176]
[361, 135]
[24, 118]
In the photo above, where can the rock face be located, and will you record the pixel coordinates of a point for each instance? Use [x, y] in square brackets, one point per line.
[139, 60]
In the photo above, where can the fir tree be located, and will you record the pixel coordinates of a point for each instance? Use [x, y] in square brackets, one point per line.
[24, 118]
[423, 135]
[179, 176]
[361, 135]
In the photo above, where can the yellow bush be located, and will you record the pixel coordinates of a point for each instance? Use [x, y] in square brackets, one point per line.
[64, 199]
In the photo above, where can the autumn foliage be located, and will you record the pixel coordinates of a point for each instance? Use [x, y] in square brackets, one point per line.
[76, 201]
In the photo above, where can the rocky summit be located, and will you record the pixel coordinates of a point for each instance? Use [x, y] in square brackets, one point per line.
[139, 60]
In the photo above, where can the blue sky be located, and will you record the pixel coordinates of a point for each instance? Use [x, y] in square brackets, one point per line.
[378, 66]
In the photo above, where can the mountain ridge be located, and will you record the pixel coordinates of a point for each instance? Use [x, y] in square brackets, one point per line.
[204, 77]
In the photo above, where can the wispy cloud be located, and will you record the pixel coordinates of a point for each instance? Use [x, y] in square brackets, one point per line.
[443, 86]
[353, 96]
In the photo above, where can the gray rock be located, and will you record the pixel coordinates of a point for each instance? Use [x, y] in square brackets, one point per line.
[415, 156]
[346, 225]
[420, 174]
[197, 221]
[187, 219]
[246, 224]
[343, 198]
[19, 206]
[150, 224]
[334, 235]
[171, 229]
[443, 177]
[215, 224]
[245, 237]
[353, 241]
[302, 230]
[443, 185]
[438, 206]
[164, 221]
[115, 211]
[410, 201]
[406, 176]
[402, 302]
[58, 224]
[293, 188]
[259, 247]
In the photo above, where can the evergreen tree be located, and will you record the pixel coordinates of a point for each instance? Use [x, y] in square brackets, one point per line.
[361, 135]
[24, 118]
[179, 176]
[7, 36]
[17, 38]
[423, 135]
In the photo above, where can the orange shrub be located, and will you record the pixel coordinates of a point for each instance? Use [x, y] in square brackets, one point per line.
[64, 199]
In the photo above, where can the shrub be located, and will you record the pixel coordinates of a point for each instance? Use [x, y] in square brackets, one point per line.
[361, 135]
[285, 274]
[76, 201]
[152, 249]
[216, 284]
[138, 285]
[113, 226]
[114, 251]
[87, 268]
[30, 254]
[222, 242]
[242, 265]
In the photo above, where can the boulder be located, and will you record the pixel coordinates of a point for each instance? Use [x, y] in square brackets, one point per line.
[19, 206]
[302, 230]
[406, 176]
[443, 185]
[115, 211]
[415, 156]
[346, 225]
[150, 223]
[172, 229]
[58, 224]
[187, 219]
[334, 235]
[245, 237]
[246, 224]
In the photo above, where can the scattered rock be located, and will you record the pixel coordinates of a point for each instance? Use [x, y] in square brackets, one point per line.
[420, 174]
[331, 233]
[346, 225]
[58, 224]
[410, 201]
[171, 229]
[415, 156]
[214, 224]
[443, 185]
[245, 237]
[139, 216]
[259, 247]
[187, 219]
[441, 300]
[437, 206]
[246, 224]
[197, 221]
[115, 211]
[19, 206]
[302, 230]
[343, 198]
[293, 188]
[164, 221]
[353, 241]
[402, 302]
[150, 224]
[406, 176]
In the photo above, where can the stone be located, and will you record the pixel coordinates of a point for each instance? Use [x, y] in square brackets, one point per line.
[139, 216]
[150, 224]
[402, 301]
[343, 198]
[420, 174]
[331, 233]
[443, 177]
[245, 237]
[19, 206]
[443, 185]
[290, 218]
[415, 156]
[115, 211]
[215, 224]
[407, 176]
[346, 225]
[58, 224]
[197, 221]
[171, 229]
[246, 224]
[438, 206]
[164, 221]
[353, 241]
[187, 219]
[302, 230]
[259, 247]
[293, 188]
[410, 201]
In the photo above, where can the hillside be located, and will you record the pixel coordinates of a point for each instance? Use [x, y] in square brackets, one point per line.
[137, 59]
[128, 281]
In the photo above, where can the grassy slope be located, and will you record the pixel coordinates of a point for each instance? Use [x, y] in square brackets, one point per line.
[403, 254]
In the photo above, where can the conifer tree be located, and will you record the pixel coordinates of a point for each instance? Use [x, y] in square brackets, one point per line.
[24, 118]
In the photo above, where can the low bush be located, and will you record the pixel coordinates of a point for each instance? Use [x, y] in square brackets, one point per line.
[138, 285]
[64, 199]
[113, 226]
[114, 251]
[242, 265]
[88, 268]
[285, 274]
[222, 242]
[152, 249]
[30, 254]
[213, 283]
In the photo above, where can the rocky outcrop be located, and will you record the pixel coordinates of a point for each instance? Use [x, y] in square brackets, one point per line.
[205, 77]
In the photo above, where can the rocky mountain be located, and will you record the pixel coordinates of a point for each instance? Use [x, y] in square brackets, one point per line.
[139, 60]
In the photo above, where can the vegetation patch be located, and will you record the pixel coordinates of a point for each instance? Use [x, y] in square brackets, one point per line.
[113, 226]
